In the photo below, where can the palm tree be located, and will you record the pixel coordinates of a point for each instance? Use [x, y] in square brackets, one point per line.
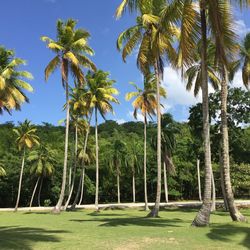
[2, 171]
[145, 100]
[12, 81]
[133, 159]
[155, 42]
[70, 48]
[42, 161]
[99, 97]
[26, 139]
[85, 156]
[116, 158]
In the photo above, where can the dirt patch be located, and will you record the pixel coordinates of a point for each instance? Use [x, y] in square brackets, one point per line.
[146, 243]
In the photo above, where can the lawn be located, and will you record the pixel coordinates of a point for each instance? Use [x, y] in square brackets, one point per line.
[120, 229]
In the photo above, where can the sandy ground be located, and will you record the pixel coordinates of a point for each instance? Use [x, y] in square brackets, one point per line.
[240, 203]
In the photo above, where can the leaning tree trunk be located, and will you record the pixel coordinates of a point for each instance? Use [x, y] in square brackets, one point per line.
[222, 182]
[97, 162]
[154, 212]
[165, 182]
[57, 208]
[213, 207]
[34, 191]
[70, 177]
[20, 182]
[133, 185]
[39, 193]
[199, 179]
[203, 216]
[81, 182]
[82, 186]
[145, 163]
[118, 185]
[234, 212]
[74, 170]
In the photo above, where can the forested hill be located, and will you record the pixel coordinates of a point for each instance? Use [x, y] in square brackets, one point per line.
[182, 181]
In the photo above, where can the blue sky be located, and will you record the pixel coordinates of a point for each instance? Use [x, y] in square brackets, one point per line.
[23, 22]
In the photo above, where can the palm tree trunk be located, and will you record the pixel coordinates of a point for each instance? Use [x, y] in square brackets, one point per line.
[39, 193]
[34, 191]
[165, 182]
[203, 216]
[20, 182]
[222, 181]
[74, 170]
[81, 182]
[97, 161]
[145, 163]
[70, 174]
[234, 212]
[154, 212]
[133, 185]
[213, 207]
[199, 178]
[118, 186]
[82, 186]
[57, 208]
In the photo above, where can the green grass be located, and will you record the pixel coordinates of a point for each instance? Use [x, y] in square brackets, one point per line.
[120, 229]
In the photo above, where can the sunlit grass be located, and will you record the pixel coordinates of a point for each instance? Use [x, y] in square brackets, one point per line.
[120, 229]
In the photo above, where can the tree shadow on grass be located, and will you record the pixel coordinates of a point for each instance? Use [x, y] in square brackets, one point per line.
[227, 233]
[16, 237]
[135, 221]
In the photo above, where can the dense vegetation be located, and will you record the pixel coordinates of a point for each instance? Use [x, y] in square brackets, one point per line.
[182, 183]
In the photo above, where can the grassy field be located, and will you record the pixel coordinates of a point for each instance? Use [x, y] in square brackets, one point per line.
[120, 229]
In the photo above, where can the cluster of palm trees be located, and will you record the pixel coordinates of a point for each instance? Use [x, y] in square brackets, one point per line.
[197, 37]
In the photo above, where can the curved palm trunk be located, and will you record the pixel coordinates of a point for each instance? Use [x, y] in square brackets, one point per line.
[145, 163]
[97, 161]
[82, 186]
[203, 216]
[70, 177]
[20, 182]
[118, 186]
[199, 179]
[154, 212]
[74, 170]
[165, 182]
[222, 182]
[234, 212]
[133, 185]
[39, 193]
[58, 206]
[213, 207]
[81, 182]
[34, 191]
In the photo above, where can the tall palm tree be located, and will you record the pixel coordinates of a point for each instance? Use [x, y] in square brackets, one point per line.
[71, 48]
[99, 97]
[26, 139]
[155, 42]
[42, 161]
[12, 81]
[145, 101]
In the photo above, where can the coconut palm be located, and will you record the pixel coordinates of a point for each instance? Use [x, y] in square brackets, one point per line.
[145, 101]
[99, 96]
[116, 159]
[133, 159]
[26, 139]
[42, 161]
[12, 81]
[155, 42]
[71, 48]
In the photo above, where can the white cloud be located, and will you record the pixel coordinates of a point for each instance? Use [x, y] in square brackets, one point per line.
[139, 116]
[241, 28]
[120, 121]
